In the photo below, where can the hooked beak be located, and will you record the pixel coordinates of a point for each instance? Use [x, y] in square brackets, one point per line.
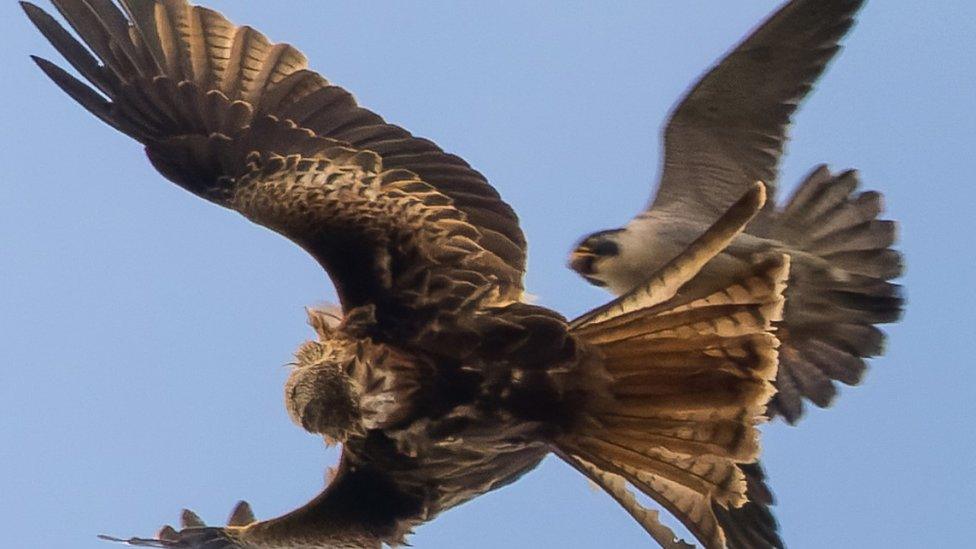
[581, 261]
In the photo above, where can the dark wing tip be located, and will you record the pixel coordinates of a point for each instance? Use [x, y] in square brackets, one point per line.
[47, 66]
[60, 76]
[30, 8]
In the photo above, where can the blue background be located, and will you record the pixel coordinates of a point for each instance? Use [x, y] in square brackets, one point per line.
[144, 331]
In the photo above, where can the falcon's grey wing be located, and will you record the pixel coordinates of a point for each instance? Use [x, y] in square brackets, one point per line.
[398, 223]
[729, 130]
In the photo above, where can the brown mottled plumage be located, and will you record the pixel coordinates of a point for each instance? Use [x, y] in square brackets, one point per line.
[440, 383]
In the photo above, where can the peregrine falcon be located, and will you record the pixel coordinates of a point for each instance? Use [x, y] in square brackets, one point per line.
[438, 379]
[729, 131]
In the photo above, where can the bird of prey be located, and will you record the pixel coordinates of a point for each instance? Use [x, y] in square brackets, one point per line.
[729, 131]
[438, 380]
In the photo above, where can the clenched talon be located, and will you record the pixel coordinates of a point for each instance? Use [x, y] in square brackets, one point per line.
[168, 533]
[241, 515]
[189, 519]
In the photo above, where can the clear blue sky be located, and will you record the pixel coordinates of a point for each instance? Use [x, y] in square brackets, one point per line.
[144, 331]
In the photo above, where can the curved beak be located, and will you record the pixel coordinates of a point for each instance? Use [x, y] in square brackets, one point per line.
[581, 260]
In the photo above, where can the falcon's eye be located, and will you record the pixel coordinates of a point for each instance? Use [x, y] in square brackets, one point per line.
[606, 247]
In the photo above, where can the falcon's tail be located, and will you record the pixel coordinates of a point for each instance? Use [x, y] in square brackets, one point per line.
[689, 376]
[838, 293]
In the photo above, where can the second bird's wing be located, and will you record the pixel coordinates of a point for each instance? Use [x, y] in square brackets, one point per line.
[729, 130]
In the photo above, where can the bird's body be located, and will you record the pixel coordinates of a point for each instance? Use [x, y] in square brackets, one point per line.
[438, 380]
[654, 237]
[728, 132]
[422, 431]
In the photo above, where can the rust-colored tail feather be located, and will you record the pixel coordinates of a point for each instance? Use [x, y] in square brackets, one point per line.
[689, 382]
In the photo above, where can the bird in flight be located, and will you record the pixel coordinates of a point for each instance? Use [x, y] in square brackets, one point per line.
[438, 379]
[729, 131]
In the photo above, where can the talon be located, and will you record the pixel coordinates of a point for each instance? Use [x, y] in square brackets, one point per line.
[242, 515]
[189, 519]
[168, 533]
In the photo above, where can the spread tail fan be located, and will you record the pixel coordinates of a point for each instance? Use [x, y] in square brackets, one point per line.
[690, 375]
[839, 289]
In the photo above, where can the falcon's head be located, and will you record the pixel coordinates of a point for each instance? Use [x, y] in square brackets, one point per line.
[320, 394]
[594, 254]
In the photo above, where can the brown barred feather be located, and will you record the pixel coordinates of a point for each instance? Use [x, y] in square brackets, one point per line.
[157, 47]
[689, 377]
